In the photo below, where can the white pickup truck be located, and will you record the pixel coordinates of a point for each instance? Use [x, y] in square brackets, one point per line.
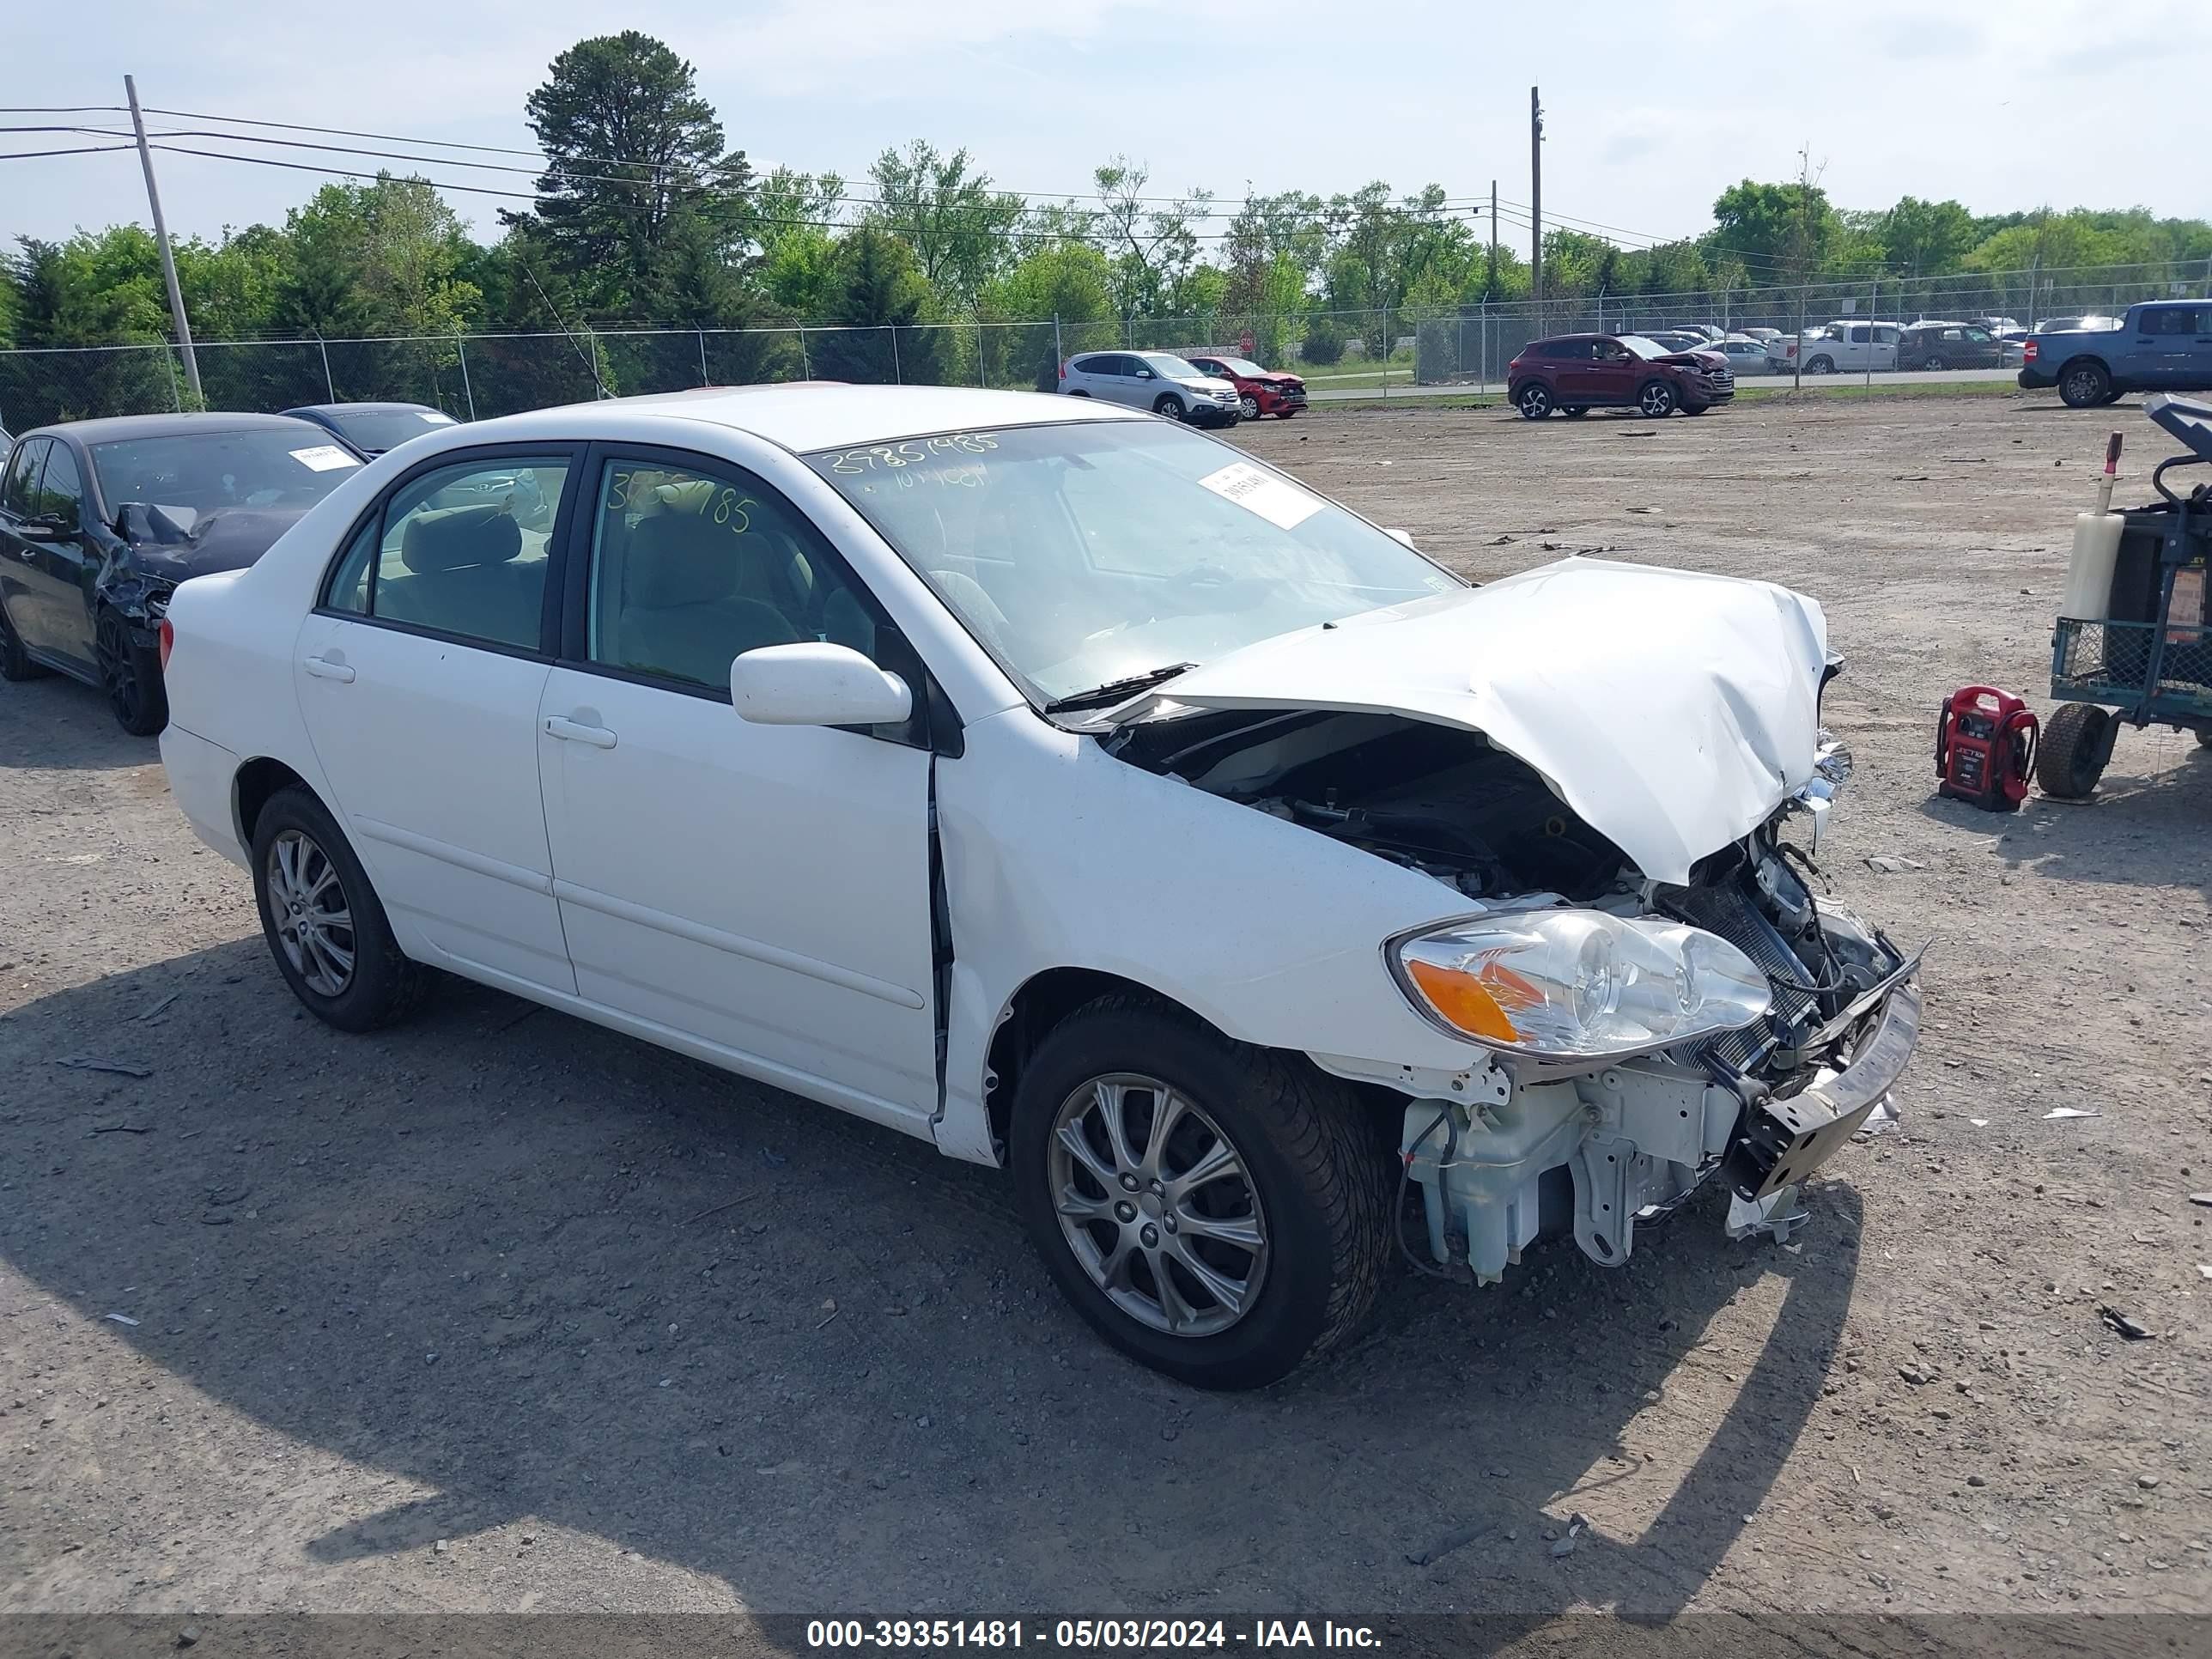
[1843, 347]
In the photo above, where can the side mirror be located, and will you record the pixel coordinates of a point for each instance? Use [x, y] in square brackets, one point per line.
[1146, 374]
[815, 683]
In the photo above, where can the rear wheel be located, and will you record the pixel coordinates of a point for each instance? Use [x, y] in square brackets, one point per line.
[15, 662]
[131, 677]
[1535, 401]
[323, 922]
[1932, 362]
[1169, 404]
[1821, 365]
[1656, 399]
[2074, 750]
[1216, 1211]
[2084, 384]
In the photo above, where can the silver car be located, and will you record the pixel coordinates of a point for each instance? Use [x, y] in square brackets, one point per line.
[1157, 380]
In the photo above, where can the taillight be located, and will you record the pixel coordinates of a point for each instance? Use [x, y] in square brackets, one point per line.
[2027, 352]
[1063, 369]
[168, 642]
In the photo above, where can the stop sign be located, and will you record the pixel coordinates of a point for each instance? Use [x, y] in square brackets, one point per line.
[1247, 344]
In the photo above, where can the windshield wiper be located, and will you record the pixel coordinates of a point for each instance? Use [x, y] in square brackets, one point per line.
[1114, 690]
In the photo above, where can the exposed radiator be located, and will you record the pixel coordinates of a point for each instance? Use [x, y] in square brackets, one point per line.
[1727, 910]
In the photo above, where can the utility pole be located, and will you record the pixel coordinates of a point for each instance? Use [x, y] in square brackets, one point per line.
[161, 238]
[1492, 287]
[1535, 196]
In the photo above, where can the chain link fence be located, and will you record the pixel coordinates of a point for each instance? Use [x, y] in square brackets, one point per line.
[1369, 353]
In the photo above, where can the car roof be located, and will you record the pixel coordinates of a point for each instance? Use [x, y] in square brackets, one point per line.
[802, 414]
[362, 408]
[113, 428]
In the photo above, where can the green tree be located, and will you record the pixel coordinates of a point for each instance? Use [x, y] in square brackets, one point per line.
[1927, 238]
[879, 296]
[1150, 241]
[960, 228]
[634, 151]
[1775, 227]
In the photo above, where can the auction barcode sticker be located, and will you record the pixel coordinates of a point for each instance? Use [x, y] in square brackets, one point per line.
[323, 457]
[1278, 500]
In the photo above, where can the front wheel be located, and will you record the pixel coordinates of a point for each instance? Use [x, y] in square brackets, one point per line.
[2074, 750]
[2084, 386]
[131, 677]
[1534, 402]
[1216, 1211]
[323, 922]
[1250, 405]
[1284, 414]
[1169, 404]
[1656, 400]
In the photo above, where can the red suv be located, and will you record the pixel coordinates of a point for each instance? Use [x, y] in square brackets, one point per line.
[1263, 390]
[1579, 373]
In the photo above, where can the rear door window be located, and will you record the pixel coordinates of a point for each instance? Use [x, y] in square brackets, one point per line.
[23, 476]
[60, 493]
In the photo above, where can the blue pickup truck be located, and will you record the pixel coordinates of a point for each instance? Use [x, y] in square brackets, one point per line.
[2162, 345]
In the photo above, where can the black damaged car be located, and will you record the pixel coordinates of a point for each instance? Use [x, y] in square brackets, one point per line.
[100, 519]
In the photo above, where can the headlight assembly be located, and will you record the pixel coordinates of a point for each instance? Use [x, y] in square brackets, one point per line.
[1577, 984]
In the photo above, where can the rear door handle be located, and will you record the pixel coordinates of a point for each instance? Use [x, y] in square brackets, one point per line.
[324, 669]
[569, 731]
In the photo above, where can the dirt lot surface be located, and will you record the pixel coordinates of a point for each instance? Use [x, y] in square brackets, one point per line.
[499, 1310]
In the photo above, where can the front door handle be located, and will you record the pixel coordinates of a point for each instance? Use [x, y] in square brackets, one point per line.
[324, 669]
[569, 731]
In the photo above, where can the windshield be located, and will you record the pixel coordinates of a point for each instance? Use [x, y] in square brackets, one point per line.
[1643, 348]
[376, 430]
[1089, 553]
[1173, 366]
[206, 471]
[1240, 366]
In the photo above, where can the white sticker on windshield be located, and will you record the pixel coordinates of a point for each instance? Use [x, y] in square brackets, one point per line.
[324, 457]
[1278, 500]
[436, 417]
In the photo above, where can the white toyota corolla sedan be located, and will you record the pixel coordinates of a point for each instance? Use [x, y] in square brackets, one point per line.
[1067, 789]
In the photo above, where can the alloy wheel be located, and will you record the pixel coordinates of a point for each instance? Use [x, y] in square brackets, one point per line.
[1655, 400]
[118, 675]
[314, 923]
[1157, 1205]
[1251, 406]
[1535, 403]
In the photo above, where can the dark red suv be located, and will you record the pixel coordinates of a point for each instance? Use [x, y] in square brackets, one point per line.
[1263, 390]
[1579, 373]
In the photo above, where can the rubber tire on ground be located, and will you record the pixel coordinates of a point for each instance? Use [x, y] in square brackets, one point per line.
[1318, 1162]
[1932, 363]
[1284, 414]
[15, 663]
[1697, 409]
[1821, 366]
[2084, 384]
[2071, 754]
[1169, 404]
[1534, 401]
[1575, 411]
[140, 704]
[1665, 397]
[2204, 736]
[1249, 407]
[387, 987]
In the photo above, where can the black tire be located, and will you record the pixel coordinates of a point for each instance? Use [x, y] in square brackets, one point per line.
[2074, 748]
[1933, 363]
[1315, 1162]
[1078, 394]
[1655, 400]
[383, 986]
[1248, 407]
[15, 662]
[1169, 404]
[1821, 365]
[2084, 384]
[1533, 400]
[1575, 411]
[1284, 414]
[2204, 736]
[1696, 409]
[130, 676]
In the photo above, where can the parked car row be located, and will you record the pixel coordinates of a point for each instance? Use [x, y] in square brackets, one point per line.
[1205, 391]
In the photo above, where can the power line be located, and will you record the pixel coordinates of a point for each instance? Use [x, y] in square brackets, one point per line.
[80, 150]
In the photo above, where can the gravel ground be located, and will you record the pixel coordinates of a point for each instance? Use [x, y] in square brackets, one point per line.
[502, 1312]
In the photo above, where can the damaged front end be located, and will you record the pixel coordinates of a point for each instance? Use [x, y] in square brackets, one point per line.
[1632, 1038]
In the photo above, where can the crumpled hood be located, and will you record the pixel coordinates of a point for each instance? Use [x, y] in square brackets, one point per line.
[1673, 711]
[228, 539]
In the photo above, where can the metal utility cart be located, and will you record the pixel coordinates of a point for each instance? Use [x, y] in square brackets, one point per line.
[2146, 660]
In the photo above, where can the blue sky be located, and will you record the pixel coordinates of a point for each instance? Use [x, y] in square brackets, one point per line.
[1652, 107]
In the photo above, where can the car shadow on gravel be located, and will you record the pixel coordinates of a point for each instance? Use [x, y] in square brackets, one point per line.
[545, 1277]
[2140, 828]
[58, 723]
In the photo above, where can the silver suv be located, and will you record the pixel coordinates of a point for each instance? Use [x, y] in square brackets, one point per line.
[1157, 380]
